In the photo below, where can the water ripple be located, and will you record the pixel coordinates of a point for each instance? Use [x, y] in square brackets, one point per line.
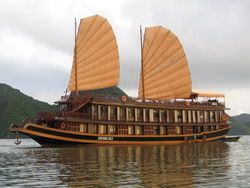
[184, 165]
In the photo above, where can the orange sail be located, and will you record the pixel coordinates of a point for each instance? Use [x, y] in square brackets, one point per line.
[96, 56]
[165, 67]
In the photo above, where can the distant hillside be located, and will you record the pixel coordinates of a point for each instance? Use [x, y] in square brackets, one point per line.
[240, 125]
[16, 106]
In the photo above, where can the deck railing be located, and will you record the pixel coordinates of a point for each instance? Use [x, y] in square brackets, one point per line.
[134, 100]
[74, 115]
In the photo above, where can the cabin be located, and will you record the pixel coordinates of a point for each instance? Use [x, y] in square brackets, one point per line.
[123, 115]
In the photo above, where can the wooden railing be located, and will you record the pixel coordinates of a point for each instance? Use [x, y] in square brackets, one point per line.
[133, 100]
[75, 115]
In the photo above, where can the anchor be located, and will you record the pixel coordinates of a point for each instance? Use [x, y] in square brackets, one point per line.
[17, 142]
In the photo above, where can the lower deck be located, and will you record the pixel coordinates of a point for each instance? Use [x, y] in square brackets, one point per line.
[125, 128]
[47, 136]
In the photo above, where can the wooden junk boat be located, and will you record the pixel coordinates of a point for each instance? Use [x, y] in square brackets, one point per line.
[97, 112]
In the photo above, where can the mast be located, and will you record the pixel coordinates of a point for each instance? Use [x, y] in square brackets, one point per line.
[76, 84]
[142, 66]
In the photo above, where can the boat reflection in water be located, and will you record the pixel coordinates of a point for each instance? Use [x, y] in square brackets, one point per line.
[181, 165]
[142, 166]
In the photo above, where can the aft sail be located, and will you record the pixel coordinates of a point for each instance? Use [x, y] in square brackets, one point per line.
[165, 68]
[96, 56]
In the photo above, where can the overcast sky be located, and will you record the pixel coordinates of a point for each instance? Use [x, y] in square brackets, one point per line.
[37, 39]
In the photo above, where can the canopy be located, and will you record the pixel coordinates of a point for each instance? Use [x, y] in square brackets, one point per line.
[96, 56]
[165, 68]
[208, 94]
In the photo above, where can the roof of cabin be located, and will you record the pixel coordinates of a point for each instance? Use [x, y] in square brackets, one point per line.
[111, 91]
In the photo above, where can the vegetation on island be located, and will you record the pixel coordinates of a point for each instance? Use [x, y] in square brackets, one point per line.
[16, 107]
[240, 125]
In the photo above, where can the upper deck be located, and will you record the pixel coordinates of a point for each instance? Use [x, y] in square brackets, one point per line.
[136, 102]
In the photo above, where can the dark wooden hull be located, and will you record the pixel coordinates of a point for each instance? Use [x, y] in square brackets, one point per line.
[46, 136]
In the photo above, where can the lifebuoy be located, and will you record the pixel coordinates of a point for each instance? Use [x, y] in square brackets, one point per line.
[187, 103]
[124, 98]
[62, 125]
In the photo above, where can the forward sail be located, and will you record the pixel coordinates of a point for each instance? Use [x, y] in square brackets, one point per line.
[96, 56]
[165, 68]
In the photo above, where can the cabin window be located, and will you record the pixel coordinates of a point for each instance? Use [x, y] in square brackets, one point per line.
[104, 112]
[178, 129]
[92, 128]
[167, 115]
[188, 129]
[73, 126]
[198, 116]
[138, 129]
[162, 114]
[122, 129]
[150, 129]
[113, 113]
[202, 116]
[162, 130]
[83, 128]
[155, 115]
[171, 130]
[130, 129]
[102, 129]
[122, 114]
[177, 116]
[151, 115]
[184, 116]
[212, 116]
[189, 116]
[194, 116]
[171, 116]
[131, 114]
[139, 114]
[206, 116]
[94, 112]
[111, 129]
[216, 116]
[221, 116]
[146, 115]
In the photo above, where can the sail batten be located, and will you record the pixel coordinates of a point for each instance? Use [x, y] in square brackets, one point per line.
[96, 56]
[100, 58]
[166, 72]
[167, 67]
[90, 54]
[172, 78]
[166, 55]
[88, 44]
